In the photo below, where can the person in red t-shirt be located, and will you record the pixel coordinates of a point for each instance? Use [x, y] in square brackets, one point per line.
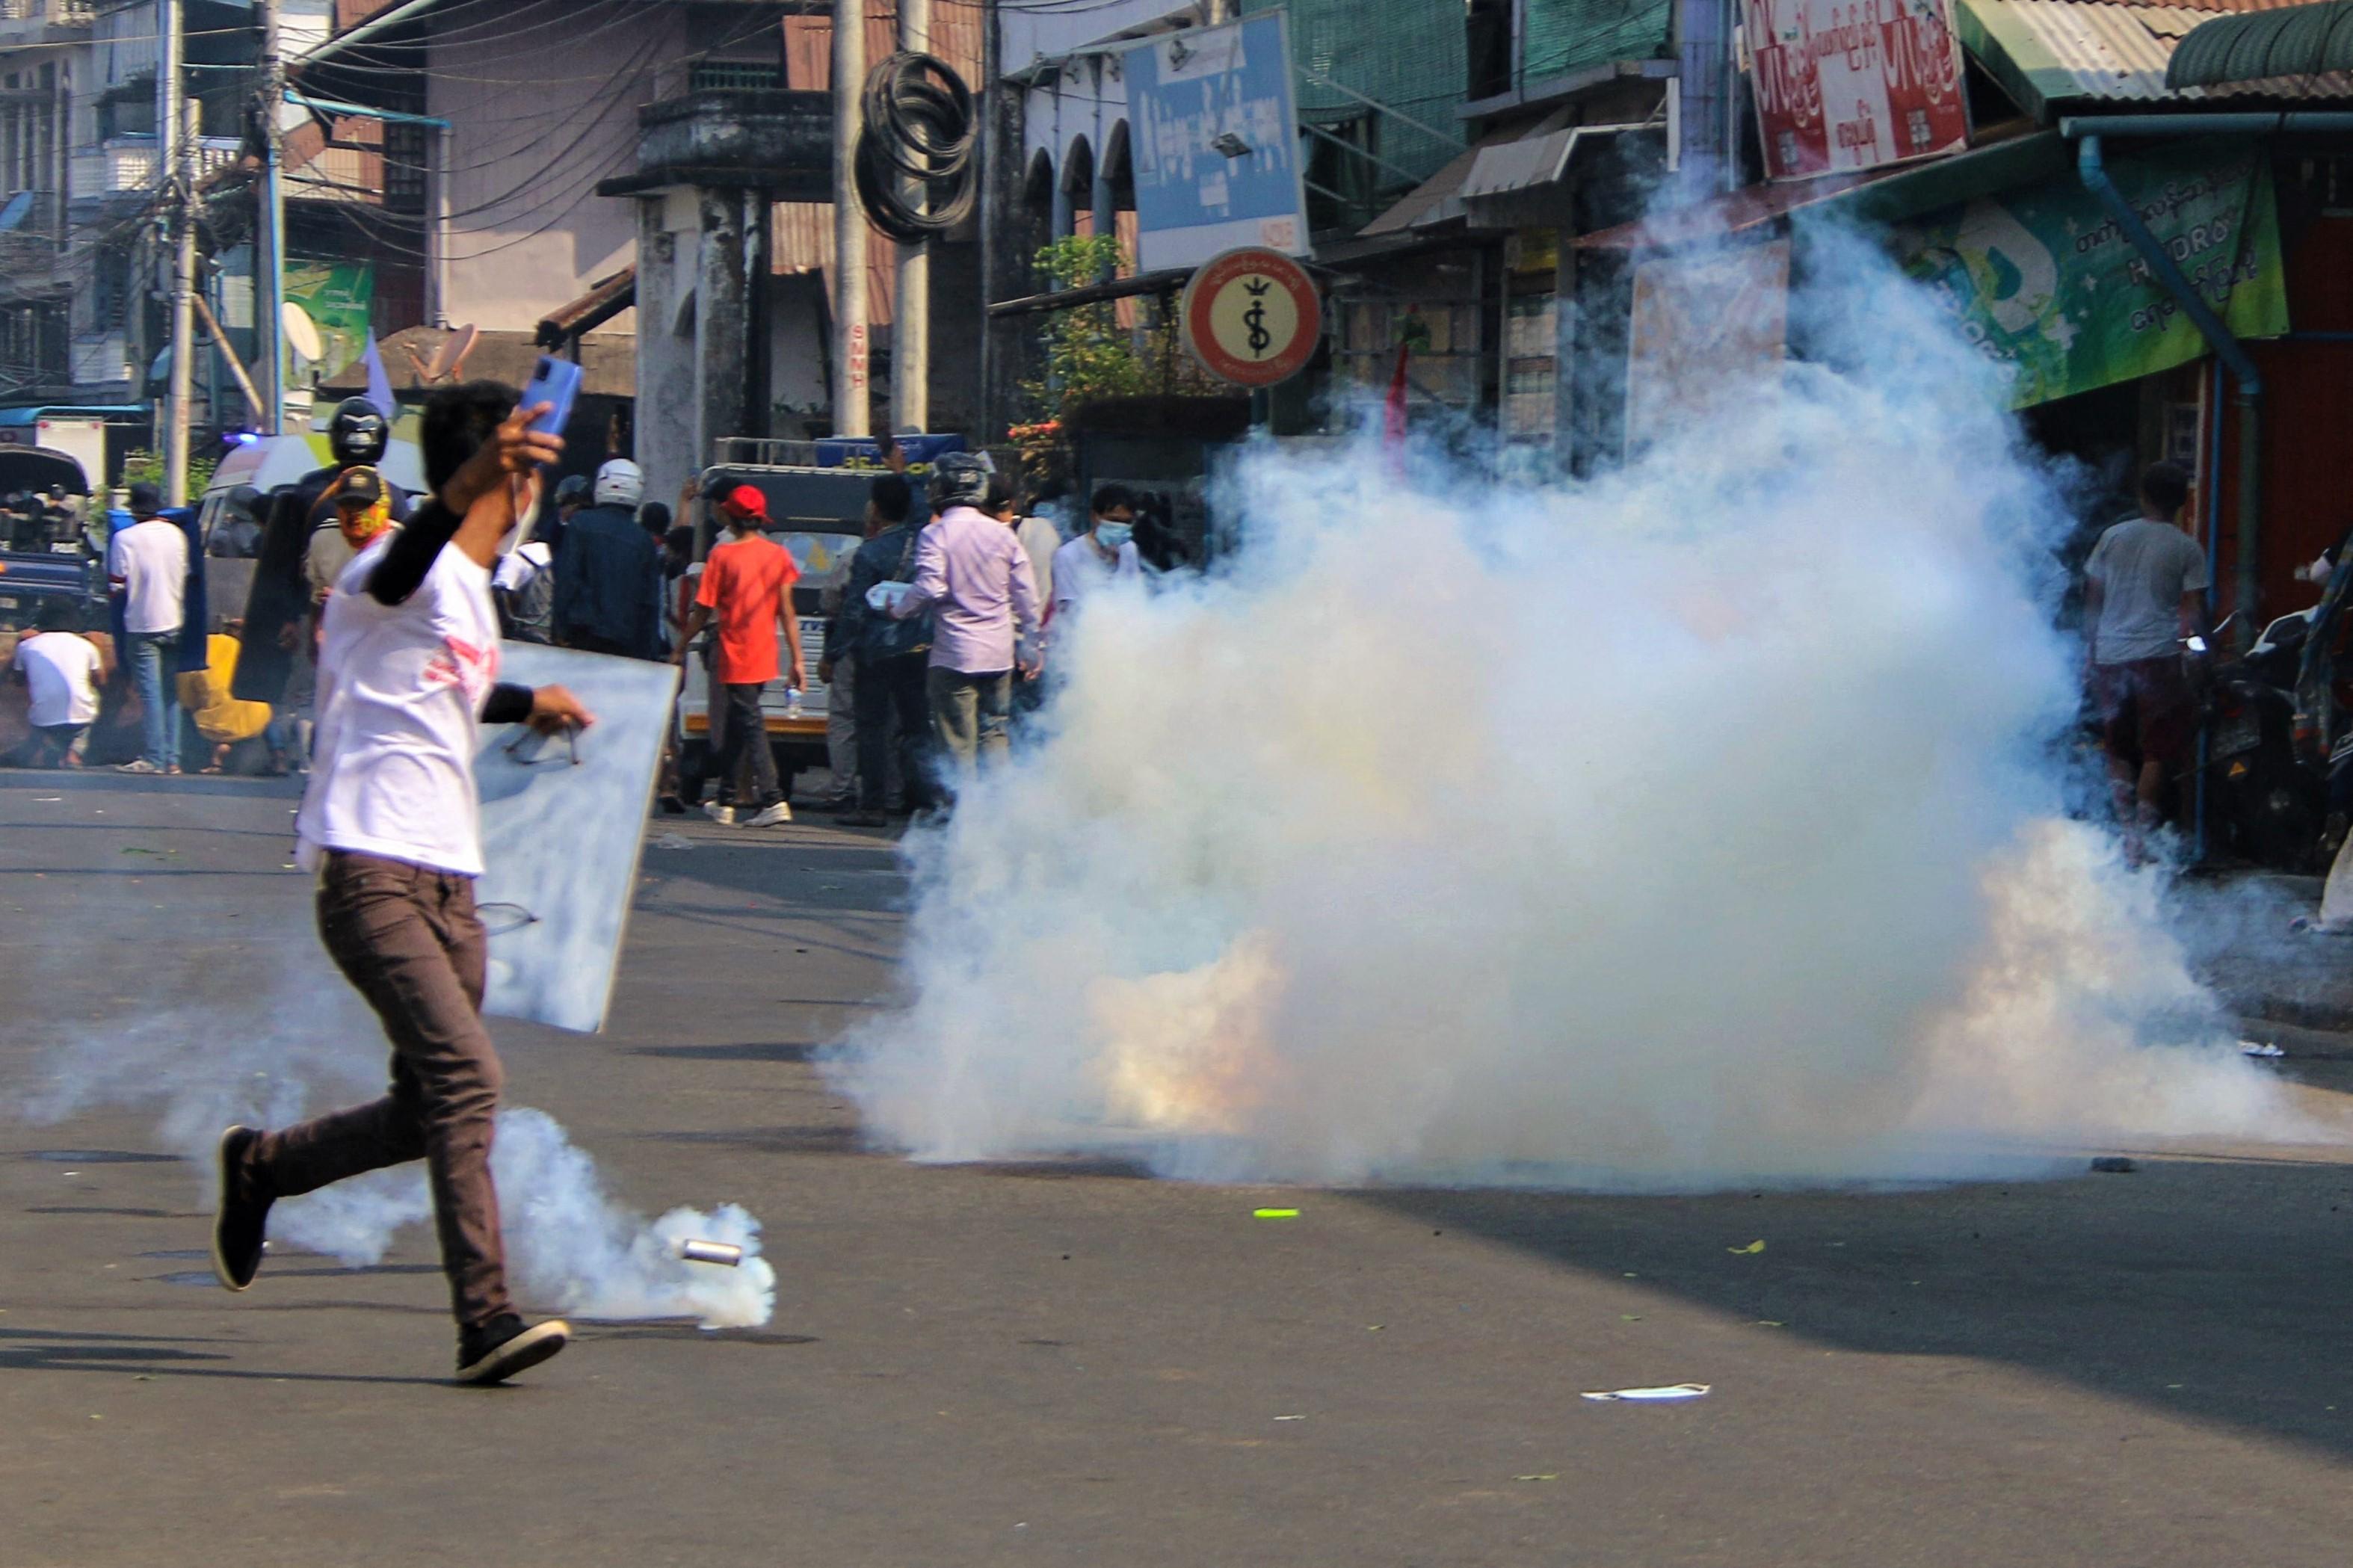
[748, 583]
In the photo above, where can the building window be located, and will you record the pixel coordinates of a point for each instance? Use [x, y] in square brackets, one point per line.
[406, 151]
[735, 76]
[130, 113]
[1529, 366]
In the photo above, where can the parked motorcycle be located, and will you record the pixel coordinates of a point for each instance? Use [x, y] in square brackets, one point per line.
[2264, 801]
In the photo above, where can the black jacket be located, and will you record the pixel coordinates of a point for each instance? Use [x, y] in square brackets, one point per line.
[278, 598]
[609, 582]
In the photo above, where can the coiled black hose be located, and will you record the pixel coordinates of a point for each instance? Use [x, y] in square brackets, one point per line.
[917, 126]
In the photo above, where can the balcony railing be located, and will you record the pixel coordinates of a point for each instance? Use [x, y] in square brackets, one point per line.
[124, 165]
[21, 18]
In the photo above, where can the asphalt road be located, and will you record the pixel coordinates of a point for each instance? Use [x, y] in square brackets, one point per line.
[1061, 1363]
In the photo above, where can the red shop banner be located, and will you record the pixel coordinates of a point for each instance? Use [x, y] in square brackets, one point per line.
[1842, 85]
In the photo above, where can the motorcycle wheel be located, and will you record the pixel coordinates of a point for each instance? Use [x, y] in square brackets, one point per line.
[2284, 827]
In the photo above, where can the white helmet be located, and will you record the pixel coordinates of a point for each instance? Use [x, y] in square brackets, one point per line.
[619, 483]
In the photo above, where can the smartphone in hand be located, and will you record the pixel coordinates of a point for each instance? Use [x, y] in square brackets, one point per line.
[556, 381]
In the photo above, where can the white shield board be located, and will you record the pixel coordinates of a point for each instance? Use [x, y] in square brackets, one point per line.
[563, 821]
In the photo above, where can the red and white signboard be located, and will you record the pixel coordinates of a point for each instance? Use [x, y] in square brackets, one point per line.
[1842, 85]
[1251, 316]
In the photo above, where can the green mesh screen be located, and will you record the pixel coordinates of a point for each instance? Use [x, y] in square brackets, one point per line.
[1561, 36]
[1406, 53]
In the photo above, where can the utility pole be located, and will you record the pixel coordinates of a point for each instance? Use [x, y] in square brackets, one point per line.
[850, 330]
[911, 324]
[175, 145]
[269, 230]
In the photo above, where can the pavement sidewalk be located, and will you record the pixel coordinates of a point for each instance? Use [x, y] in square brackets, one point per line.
[2240, 932]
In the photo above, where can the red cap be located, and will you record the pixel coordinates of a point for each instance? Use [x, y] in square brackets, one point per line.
[746, 503]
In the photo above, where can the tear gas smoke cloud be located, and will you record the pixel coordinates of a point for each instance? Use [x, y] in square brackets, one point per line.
[1698, 824]
[298, 1050]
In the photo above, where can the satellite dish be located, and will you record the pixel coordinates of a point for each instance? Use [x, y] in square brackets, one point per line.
[301, 332]
[451, 355]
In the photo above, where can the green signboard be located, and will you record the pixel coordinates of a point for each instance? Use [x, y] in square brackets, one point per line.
[339, 296]
[2045, 284]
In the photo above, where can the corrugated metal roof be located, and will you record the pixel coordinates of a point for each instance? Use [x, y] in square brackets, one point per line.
[802, 241]
[2074, 51]
[802, 232]
[2233, 7]
[2305, 41]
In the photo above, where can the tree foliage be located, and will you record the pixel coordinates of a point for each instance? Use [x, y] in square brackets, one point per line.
[1086, 354]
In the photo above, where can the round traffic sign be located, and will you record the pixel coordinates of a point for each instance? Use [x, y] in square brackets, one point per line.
[1251, 316]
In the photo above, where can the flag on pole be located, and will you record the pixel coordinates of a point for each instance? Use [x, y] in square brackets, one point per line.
[1393, 412]
[379, 390]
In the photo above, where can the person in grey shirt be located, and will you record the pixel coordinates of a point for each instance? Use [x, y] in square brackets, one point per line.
[2145, 588]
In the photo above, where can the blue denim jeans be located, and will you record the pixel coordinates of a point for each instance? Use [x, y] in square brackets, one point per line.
[153, 655]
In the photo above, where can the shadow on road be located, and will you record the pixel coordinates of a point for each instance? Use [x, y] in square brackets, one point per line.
[757, 1051]
[2211, 1288]
[114, 1355]
[812, 1138]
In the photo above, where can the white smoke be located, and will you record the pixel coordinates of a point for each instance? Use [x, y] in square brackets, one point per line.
[1698, 824]
[570, 1246]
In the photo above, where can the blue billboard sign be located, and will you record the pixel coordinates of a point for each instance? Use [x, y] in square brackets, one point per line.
[1215, 142]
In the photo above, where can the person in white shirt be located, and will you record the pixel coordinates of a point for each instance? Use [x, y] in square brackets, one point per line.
[2144, 592]
[1040, 538]
[60, 667]
[147, 563]
[407, 672]
[1104, 554]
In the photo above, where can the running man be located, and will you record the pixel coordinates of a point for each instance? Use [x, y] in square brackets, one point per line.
[391, 826]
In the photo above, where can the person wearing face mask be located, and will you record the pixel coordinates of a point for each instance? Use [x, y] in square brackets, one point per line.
[358, 436]
[1103, 554]
[391, 826]
[361, 509]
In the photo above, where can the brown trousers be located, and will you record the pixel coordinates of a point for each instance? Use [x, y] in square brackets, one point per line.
[408, 939]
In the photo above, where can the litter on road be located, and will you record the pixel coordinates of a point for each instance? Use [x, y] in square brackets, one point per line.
[1650, 1395]
[2112, 1165]
[1275, 1214]
[1753, 1246]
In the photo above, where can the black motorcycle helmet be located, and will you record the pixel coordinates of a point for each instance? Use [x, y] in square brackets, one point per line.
[961, 479]
[358, 433]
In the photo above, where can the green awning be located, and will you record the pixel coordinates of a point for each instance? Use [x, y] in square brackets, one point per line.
[2303, 40]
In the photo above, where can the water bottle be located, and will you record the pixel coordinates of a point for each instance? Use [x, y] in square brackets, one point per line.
[792, 702]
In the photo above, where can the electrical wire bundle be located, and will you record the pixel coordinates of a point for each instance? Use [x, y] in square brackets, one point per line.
[914, 166]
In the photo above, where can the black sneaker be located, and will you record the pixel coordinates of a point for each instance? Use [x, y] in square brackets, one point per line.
[243, 1219]
[504, 1347]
